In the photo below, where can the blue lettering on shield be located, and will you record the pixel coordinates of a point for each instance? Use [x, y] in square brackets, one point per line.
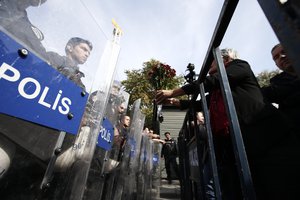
[106, 135]
[155, 159]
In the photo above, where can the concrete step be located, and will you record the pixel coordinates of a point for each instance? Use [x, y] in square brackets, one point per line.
[169, 191]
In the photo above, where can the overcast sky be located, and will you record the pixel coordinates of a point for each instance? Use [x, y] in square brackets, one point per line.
[178, 32]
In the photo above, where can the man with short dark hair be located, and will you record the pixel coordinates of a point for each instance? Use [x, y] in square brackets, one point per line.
[77, 52]
[284, 88]
[169, 153]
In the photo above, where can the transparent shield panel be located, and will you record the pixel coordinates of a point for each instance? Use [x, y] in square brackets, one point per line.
[107, 156]
[127, 181]
[156, 171]
[116, 113]
[144, 174]
[148, 171]
[117, 104]
[141, 167]
[62, 50]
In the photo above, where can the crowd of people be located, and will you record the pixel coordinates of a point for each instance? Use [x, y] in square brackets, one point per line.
[270, 135]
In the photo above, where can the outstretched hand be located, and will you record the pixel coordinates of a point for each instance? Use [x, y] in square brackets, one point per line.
[172, 101]
[162, 95]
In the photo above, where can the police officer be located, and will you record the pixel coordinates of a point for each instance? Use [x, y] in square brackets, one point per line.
[169, 153]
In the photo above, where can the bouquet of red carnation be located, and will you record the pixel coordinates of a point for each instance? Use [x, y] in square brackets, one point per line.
[159, 75]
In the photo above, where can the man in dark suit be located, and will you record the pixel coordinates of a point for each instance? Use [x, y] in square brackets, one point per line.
[284, 88]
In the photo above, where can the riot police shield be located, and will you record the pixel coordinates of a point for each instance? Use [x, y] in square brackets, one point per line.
[126, 186]
[108, 151]
[145, 168]
[55, 73]
[141, 167]
[156, 170]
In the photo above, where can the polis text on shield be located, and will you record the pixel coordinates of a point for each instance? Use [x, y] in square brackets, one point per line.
[11, 74]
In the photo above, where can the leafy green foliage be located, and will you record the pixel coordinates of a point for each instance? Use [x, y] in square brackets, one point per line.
[264, 77]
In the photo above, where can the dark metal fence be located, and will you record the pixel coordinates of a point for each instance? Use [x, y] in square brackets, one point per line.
[285, 20]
